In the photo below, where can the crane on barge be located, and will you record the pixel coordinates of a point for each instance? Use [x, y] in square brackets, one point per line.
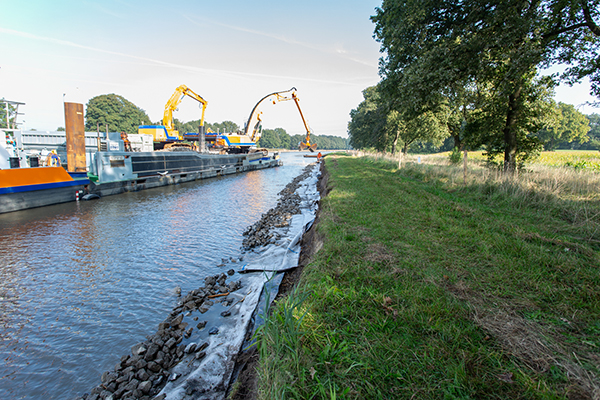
[165, 135]
[246, 142]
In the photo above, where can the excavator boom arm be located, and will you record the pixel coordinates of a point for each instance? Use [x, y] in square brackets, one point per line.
[308, 130]
[252, 129]
[306, 145]
[173, 103]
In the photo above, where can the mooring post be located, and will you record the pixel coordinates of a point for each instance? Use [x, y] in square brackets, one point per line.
[465, 168]
[201, 139]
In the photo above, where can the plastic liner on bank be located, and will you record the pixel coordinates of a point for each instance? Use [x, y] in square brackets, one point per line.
[193, 353]
[209, 377]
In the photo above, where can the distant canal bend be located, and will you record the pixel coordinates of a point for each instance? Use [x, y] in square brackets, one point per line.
[80, 283]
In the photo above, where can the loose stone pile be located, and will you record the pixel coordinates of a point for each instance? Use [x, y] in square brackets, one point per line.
[144, 373]
[260, 233]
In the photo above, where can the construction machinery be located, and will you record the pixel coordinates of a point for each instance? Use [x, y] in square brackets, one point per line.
[165, 135]
[246, 142]
[306, 145]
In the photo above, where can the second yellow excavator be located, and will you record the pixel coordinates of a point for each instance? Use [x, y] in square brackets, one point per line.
[245, 142]
[306, 144]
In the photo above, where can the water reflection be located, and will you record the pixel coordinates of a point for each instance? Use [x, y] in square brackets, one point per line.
[80, 283]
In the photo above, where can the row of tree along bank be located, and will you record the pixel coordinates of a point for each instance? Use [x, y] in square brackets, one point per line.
[472, 71]
[566, 129]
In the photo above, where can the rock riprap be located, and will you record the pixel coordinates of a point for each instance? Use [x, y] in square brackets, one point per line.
[261, 233]
[143, 373]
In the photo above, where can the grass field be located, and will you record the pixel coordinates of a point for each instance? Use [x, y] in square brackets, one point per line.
[577, 159]
[430, 288]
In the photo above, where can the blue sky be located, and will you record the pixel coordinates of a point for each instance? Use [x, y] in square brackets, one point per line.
[232, 53]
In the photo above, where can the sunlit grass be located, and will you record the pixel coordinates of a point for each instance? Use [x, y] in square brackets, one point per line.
[427, 287]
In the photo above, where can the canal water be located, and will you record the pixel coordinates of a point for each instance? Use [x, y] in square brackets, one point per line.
[80, 283]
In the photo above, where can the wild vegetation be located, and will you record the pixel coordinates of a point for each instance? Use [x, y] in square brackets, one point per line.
[427, 287]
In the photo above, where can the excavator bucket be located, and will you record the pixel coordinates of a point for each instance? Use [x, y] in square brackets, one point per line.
[304, 146]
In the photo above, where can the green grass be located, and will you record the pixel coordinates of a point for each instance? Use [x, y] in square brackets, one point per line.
[426, 288]
[576, 159]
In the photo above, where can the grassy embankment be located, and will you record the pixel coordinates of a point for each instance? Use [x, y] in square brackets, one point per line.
[426, 288]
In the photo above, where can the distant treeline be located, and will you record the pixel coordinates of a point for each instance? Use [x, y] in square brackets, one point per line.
[276, 138]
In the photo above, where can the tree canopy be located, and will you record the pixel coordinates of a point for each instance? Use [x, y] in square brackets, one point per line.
[376, 124]
[481, 58]
[570, 126]
[115, 111]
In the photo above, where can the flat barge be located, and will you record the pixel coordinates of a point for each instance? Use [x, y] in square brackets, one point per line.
[119, 172]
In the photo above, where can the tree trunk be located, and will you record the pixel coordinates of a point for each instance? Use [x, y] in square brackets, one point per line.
[510, 131]
[405, 149]
[457, 143]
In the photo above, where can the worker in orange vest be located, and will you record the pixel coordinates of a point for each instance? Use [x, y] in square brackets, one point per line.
[126, 142]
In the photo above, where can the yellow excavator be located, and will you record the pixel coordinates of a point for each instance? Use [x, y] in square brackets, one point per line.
[306, 144]
[165, 135]
[246, 142]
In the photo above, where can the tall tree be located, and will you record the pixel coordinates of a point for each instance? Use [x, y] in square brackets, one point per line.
[499, 43]
[115, 111]
[367, 126]
[385, 123]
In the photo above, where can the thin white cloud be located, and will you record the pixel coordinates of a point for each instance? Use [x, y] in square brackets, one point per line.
[23, 70]
[104, 10]
[164, 63]
[338, 51]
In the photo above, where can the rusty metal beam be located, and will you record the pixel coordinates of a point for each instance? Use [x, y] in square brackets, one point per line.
[75, 131]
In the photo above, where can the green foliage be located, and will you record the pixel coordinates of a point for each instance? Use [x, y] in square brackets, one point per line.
[271, 138]
[570, 126]
[193, 126]
[367, 126]
[482, 58]
[115, 111]
[594, 132]
[278, 138]
[455, 156]
[225, 126]
[376, 124]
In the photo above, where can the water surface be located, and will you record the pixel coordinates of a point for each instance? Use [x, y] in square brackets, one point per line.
[80, 283]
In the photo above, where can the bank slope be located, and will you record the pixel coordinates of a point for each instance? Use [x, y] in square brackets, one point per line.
[426, 291]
